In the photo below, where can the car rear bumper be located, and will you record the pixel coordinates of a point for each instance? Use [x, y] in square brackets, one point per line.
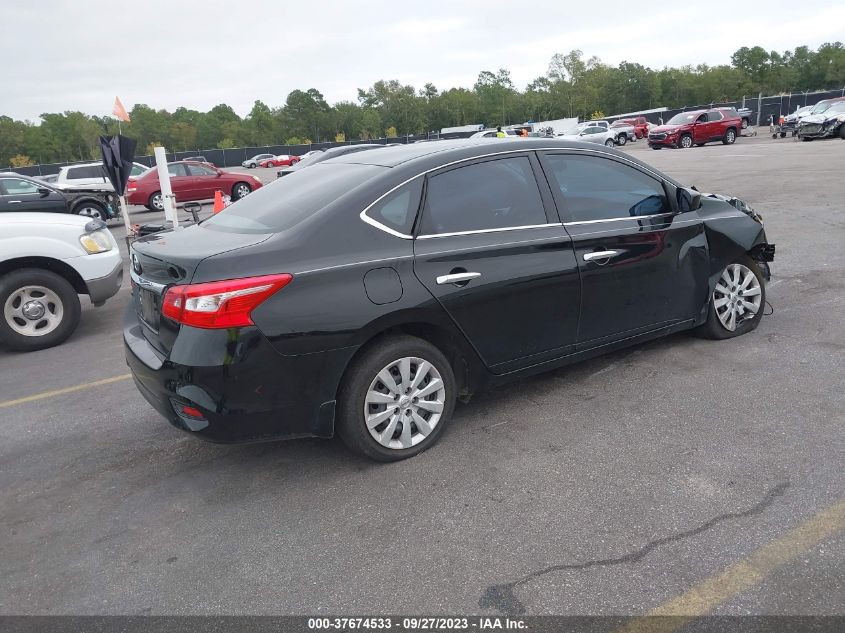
[246, 393]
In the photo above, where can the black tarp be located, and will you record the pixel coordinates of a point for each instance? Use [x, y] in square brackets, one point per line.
[118, 153]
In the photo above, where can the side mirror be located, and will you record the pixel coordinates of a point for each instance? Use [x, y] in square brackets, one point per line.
[44, 192]
[688, 199]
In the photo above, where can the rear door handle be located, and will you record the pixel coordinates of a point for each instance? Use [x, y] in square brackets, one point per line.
[588, 257]
[456, 278]
[15, 201]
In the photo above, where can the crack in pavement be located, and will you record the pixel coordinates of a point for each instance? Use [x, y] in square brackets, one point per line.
[503, 598]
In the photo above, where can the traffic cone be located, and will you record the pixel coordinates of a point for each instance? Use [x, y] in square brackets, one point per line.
[218, 202]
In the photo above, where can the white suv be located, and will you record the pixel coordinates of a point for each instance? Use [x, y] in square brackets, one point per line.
[46, 261]
[90, 174]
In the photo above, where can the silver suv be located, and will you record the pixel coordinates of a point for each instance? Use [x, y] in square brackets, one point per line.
[89, 174]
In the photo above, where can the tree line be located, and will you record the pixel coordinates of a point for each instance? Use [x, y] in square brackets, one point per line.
[573, 86]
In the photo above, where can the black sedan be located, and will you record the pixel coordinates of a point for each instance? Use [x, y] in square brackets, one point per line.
[367, 294]
[22, 193]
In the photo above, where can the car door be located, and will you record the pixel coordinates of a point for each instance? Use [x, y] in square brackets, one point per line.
[491, 250]
[22, 194]
[593, 134]
[642, 264]
[714, 125]
[204, 181]
[701, 129]
[182, 185]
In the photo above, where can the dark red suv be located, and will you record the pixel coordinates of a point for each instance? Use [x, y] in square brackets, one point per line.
[697, 127]
[640, 125]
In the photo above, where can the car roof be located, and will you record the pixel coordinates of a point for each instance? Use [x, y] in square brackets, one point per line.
[458, 149]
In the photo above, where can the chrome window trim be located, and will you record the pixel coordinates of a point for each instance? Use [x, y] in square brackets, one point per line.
[674, 225]
[630, 217]
[378, 225]
[497, 230]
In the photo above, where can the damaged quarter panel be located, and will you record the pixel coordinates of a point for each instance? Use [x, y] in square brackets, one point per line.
[731, 232]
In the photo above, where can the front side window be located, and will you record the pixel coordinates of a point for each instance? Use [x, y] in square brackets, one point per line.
[17, 186]
[398, 210]
[495, 194]
[200, 170]
[595, 188]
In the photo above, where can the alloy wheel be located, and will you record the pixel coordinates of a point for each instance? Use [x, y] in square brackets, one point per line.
[737, 296]
[241, 191]
[91, 212]
[404, 403]
[33, 310]
[686, 142]
[157, 203]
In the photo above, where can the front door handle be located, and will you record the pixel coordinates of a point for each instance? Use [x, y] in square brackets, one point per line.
[456, 278]
[15, 201]
[588, 257]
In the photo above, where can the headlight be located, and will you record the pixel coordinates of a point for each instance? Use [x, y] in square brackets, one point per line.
[257, 179]
[96, 242]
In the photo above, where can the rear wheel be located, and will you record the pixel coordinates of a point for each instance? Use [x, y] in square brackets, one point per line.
[744, 124]
[730, 137]
[622, 139]
[252, 166]
[40, 309]
[396, 399]
[155, 202]
[92, 210]
[842, 131]
[609, 143]
[685, 142]
[240, 190]
[736, 305]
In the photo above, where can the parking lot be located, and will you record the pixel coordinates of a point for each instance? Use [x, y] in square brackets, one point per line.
[617, 486]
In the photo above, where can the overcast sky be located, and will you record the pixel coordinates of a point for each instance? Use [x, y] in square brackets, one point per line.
[79, 54]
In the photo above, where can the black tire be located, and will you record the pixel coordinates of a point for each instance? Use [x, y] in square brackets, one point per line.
[237, 190]
[744, 124]
[730, 136]
[351, 422]
[151, 201]
[842, 131]
[91, 209]
[655, 147]
[685, 142]
[622, 139]
[713, 328]
[251, 166]
[609, 143]
[12, 282]
[806, 138]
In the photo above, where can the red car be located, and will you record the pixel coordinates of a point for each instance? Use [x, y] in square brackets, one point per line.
[283, 160]
[189, 181]
[696, 127]
[640, 125]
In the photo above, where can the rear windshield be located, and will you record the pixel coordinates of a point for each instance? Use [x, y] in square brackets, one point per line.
[288, 201]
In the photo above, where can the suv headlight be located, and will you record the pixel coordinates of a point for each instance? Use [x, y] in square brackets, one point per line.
[96, 242]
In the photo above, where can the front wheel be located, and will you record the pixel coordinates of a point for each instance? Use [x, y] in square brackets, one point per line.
[240, 190]
[736, 305]
[396, 399]
[40, 309]
[730, 137]
[686, 141]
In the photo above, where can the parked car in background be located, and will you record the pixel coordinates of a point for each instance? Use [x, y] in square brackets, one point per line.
[22, 193]
[696, 127]
[745, 115]
[791, 120]
[624, 132]
[491, 133]
[252, 163]
[89, 174]
[830, 122]
[447, 269]
[591, 132]
[49, 178]
[282, 160]
[46, 261]
[199, 159]
[640, 124]
[189, 181]
[322, 155]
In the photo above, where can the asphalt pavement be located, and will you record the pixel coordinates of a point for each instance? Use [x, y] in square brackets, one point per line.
[615, 486]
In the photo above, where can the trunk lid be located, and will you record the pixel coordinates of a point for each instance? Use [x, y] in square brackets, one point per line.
[172, 257]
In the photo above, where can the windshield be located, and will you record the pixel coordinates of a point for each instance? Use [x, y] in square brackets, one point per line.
[288, 201]
[820, 107]
[683, 117]
[836, 108]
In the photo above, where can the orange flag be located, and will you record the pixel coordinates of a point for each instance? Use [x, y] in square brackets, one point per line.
[119, 111]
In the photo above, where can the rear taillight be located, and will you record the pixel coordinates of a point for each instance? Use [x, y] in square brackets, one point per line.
[220, 304]
[131, 186]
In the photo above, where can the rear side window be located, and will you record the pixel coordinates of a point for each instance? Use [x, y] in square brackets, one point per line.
[200, 170]
[283, 204]
[496, 194]
[398, 210]
[176, 169]
[715, 115]
[81, 173]
[595, 188]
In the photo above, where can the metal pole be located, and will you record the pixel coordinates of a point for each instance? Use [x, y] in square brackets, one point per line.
[759, 107]
[167, 197]
[124, 210]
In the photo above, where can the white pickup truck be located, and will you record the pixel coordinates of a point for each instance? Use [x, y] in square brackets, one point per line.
[46, 261]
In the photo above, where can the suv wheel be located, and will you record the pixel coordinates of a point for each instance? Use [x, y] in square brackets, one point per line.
[744, 124]
[622, 139]
[730, 137]
[396, 399]
[40, 309]
[685, 142]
